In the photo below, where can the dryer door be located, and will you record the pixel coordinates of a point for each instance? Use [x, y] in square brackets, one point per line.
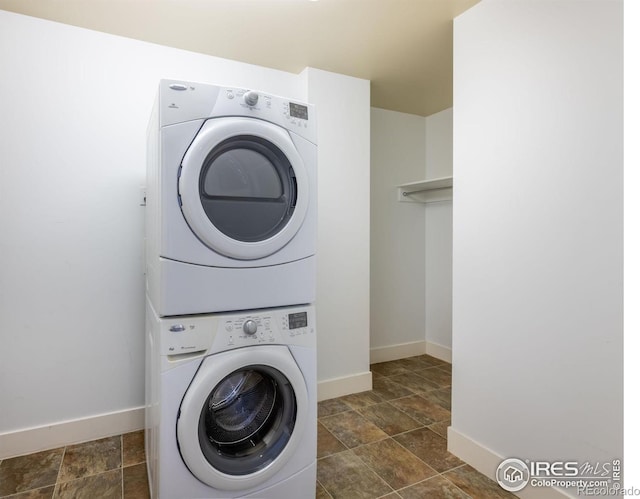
[243, 187]
[242, 416]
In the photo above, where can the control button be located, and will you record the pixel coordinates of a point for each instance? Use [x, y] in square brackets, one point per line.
[251, 98]
[177, 328]
[229, 326]
[177, 86]
[250, 327]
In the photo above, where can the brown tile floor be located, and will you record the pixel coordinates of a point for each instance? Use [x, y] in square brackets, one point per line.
[389, 442]
[111, 467]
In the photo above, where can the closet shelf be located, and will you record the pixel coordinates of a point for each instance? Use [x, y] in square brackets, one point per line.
[426, 191]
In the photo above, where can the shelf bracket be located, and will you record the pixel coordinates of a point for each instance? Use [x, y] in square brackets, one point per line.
[427, 191]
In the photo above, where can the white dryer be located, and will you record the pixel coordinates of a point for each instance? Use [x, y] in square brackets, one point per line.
[231, 200]
[231, 404]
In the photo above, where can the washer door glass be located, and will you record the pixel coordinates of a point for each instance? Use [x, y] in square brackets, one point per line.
[243, 417]
[247, 188]
[247, 420]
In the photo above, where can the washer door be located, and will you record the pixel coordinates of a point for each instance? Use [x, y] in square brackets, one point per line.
[242, 416]
[243, 187]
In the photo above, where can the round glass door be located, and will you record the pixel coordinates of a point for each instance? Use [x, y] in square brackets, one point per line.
[247, 188]
[247, 420]
[243, 187]
[243, 416]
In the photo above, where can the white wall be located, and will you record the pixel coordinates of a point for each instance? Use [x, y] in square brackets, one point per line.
[397, 234]
[410, 242]
[537, 234]
[439, 144]
[343, 231]
[75, 106]
[438, 226]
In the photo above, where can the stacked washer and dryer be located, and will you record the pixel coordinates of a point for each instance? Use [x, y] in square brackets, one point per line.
[230, 281]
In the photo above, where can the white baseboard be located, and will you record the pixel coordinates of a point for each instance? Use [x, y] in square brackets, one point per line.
[412, 349]
[486, 462]
[395, 352]
[26, 441]
[337, 387]
[439, 351]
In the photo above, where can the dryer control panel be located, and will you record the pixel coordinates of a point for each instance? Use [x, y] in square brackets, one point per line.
[211, 333]
[181, 101]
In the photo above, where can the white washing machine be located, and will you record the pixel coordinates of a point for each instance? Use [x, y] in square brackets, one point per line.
[231, 404]
[231, 200]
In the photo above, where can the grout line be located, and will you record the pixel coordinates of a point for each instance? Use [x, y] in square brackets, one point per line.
[323, 488]
[387, 437]
[122, 466]
[457, 467]
[374, 472]
[96, 473]
[350, 450]
[18, 494]
[58, 476]
[338, 439]
[447, 479]
[58, 484]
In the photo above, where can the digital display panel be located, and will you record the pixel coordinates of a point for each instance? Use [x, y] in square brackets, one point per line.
[297, 320]
[298, 111]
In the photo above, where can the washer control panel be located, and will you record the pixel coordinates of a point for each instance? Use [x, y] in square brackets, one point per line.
[283, 326]
[200, 334]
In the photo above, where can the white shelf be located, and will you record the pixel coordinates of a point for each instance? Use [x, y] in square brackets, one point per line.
[426, 191]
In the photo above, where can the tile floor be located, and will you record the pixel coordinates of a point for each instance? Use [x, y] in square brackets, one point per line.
[389, 443]
[111, 467]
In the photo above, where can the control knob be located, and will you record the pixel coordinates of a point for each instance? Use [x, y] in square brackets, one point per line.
[250, 327]
[251, 97]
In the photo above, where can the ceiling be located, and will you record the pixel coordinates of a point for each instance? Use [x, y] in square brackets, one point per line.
[405, 47]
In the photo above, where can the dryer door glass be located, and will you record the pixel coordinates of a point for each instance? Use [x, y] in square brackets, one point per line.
[247, 420]
[247, 188]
